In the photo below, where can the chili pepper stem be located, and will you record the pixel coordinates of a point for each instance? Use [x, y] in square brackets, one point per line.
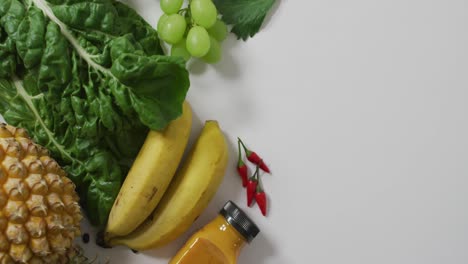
[259, 185]
[247, 151]
[257, 172]
[240, 162]
[239, 152]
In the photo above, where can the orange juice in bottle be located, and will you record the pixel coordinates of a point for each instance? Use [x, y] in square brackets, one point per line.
[221, 240]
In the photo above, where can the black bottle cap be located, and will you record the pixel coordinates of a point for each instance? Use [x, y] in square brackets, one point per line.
[240, 221]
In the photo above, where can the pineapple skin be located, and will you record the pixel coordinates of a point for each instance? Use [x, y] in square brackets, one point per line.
[40, 215]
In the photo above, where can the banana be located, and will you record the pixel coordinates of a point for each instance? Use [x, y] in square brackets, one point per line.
[149, 176]
[188, 195]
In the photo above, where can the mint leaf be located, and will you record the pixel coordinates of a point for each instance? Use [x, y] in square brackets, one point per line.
[246, 16]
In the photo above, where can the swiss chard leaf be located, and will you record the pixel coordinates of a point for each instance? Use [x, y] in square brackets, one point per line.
[246, 16]
[88, 79]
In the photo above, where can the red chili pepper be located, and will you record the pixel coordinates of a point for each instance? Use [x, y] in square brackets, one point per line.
[254, 158]
[260, 197]
[252, 188]
[242, 169]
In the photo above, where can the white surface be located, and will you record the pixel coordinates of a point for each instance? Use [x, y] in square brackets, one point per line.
[360, 109]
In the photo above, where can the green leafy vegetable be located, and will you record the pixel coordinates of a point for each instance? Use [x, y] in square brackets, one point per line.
[246, 16]
[87, 78]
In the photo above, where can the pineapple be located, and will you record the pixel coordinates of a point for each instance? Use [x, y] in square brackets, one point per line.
[40, 215]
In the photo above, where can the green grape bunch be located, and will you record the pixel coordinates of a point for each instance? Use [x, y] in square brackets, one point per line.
[192, 31]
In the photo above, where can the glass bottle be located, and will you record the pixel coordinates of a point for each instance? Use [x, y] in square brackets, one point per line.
[221, 240]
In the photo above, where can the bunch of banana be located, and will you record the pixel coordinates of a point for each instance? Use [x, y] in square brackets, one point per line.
[155, 204]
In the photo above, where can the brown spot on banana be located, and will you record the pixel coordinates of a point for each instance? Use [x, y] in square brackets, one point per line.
[154, 191]
[196, 218]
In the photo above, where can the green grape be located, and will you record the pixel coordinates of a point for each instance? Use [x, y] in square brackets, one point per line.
[203, 12]
[198, 41]
[218, 31]
[180, 50]
[162, 21]
[214, 54]
[173, 28]
[171, 6]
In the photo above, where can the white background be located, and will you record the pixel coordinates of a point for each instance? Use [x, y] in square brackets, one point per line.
[360, 108]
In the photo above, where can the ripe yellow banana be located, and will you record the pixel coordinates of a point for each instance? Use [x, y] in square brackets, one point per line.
[188, 195]
[149, 176]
